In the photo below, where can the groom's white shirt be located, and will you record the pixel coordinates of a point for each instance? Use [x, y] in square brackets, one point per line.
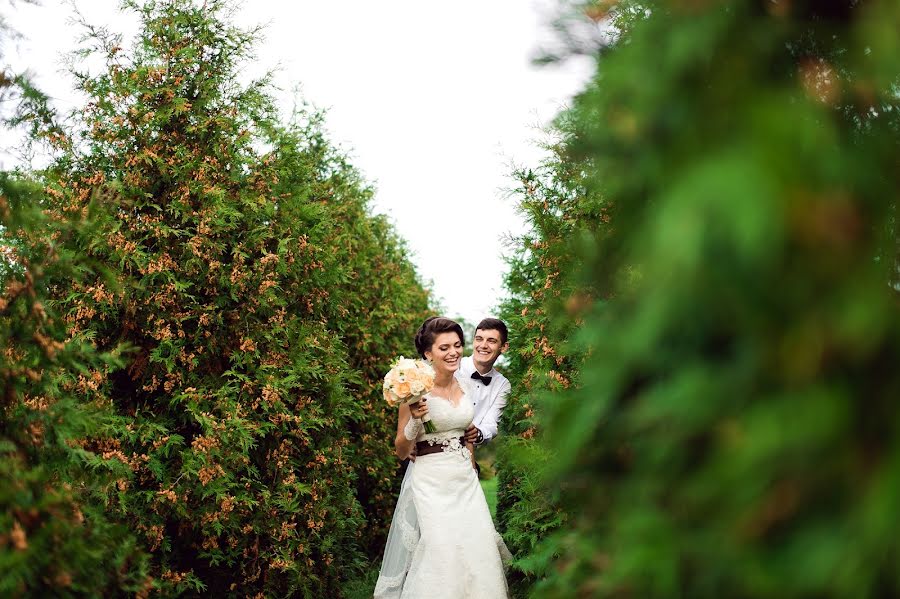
[488, 400]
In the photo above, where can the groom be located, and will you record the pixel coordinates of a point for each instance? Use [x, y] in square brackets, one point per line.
[491, 387]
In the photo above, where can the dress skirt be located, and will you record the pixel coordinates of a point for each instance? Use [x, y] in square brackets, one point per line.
[442, 542]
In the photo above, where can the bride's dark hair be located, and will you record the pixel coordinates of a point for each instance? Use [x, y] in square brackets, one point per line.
[431, 328]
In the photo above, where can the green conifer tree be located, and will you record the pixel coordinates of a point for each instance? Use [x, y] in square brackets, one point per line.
[732, 430]
[543, 308]
[55, 539]
[239, 277]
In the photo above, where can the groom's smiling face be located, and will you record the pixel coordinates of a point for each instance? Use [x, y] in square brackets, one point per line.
[488, 346]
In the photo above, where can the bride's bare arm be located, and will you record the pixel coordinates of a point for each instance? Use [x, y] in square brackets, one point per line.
[402, 445]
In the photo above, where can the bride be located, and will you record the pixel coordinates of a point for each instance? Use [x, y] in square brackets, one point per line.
[442, 541]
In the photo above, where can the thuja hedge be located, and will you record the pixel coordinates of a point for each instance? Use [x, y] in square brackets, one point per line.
[543, 310]
[55, 539]
[731, 427]
[254, 302]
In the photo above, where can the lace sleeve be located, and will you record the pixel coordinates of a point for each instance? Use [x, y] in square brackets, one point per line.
[412, 429]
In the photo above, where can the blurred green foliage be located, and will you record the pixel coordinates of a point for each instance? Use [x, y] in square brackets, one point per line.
[713, 412]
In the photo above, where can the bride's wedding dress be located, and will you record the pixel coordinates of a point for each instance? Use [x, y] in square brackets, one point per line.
[442, 541]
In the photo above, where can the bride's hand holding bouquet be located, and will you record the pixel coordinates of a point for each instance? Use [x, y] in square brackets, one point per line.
[406, 383]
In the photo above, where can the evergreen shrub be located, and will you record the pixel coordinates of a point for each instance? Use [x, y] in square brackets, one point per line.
[258, 299]
[55, 537]
[732, 429]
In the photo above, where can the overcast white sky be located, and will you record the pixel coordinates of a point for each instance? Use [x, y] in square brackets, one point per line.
[432, 100]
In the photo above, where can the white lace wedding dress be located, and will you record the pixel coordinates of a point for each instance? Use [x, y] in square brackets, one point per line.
[442, 541]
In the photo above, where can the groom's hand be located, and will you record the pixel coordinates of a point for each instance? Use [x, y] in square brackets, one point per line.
[473, 434]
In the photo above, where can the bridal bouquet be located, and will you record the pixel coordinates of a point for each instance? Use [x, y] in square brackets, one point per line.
[406, 382]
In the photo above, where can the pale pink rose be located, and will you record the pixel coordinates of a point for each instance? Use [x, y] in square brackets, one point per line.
[407, 381]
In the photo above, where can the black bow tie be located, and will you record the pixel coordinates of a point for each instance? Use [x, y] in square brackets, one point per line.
[484, 379]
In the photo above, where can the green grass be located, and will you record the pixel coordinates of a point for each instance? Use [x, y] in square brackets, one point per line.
[490, 493]
[362, 587]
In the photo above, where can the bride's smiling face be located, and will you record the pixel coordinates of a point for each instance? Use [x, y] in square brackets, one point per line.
[446, 351]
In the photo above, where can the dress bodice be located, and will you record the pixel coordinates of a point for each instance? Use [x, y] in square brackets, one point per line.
[449, 420]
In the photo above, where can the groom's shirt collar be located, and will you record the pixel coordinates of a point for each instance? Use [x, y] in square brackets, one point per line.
[467, 365]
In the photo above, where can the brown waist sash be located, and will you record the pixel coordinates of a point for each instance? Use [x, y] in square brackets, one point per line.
[424, 447]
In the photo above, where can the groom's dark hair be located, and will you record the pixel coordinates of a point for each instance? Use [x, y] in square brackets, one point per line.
[495, 324]
[431, 328]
